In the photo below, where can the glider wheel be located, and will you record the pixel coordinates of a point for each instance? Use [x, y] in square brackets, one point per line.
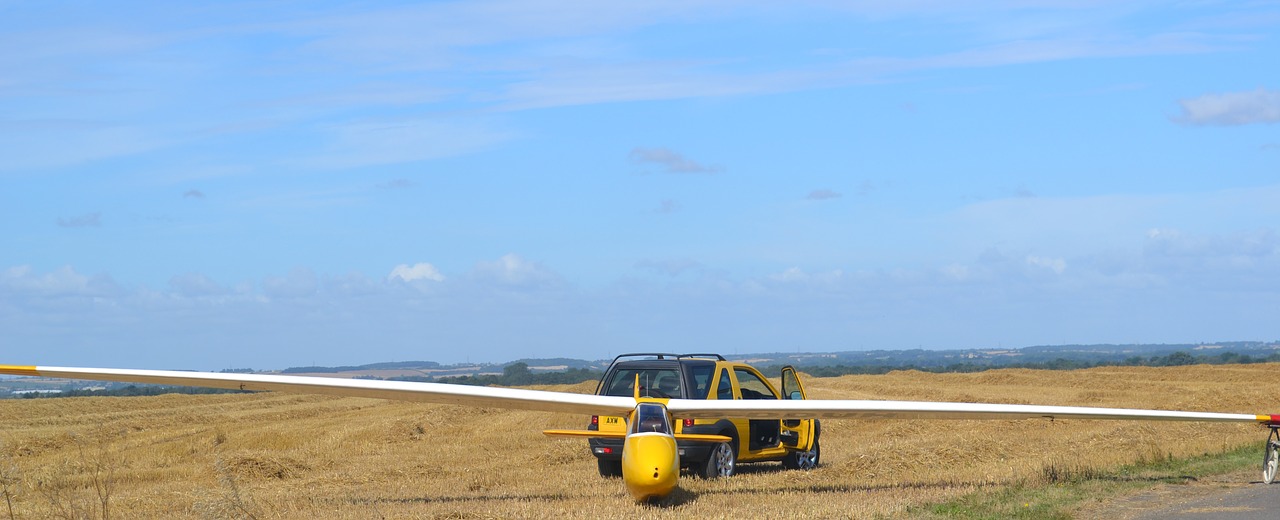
[1271, 459]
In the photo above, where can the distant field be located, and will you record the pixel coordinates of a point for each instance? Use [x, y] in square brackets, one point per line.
[288, 456]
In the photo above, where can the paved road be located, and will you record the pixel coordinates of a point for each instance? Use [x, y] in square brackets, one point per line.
[1236, 496]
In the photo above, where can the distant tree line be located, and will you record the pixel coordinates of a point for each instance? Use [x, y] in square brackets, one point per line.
[134, 391]
[1179, 358]
[393, 365]
[515, 374]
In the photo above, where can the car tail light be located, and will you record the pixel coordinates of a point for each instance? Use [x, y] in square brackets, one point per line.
[595, 420]
[688, 423]
[606, 450]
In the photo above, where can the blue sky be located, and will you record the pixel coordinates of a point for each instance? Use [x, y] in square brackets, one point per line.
[285, 183]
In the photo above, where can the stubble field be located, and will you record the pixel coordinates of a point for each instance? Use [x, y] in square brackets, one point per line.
[275, 455]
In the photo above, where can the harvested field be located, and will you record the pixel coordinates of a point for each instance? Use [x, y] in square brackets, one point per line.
[289, 456]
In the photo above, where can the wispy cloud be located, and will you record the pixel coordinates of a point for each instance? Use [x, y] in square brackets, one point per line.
[417, 272]
[395, 141]
[822, 195]
[193, 194]
[300, 283]
[195, 285]
[668, 267]
[1231, 108]
[513, 271]
[668, 206]
[398, 184]
[81, 221]
[670, 160]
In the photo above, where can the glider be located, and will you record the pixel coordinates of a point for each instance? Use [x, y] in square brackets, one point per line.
[650, 460]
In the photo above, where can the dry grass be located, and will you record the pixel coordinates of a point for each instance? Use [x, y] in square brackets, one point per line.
[289, 456]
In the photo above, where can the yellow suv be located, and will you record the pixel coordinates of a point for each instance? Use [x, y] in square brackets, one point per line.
[794, 442]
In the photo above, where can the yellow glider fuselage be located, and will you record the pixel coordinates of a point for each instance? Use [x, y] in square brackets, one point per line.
[650, 465]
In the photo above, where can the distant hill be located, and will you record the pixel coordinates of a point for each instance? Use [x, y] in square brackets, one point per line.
[1001, 357]
[820, 364]
[1044, 356]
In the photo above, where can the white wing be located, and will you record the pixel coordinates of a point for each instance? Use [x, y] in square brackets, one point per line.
[401, 390]
[857, 409]
[608, 405]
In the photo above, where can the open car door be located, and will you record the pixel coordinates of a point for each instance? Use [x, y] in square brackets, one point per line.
[797, 433]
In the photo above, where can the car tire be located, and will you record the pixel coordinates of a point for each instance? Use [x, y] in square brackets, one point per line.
[722, 462]
[609, 468]
[803, 460]
[1270, 461]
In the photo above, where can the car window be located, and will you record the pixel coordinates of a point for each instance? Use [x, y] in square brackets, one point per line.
[654, 382]
[751, 386]
[701, 375]
[725, 390]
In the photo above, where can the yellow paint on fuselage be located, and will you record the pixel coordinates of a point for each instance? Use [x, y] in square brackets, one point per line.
[650, 465]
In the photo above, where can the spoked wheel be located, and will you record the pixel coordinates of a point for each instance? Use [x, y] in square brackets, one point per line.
[721, 462]
[1271, 460]
[803, 460]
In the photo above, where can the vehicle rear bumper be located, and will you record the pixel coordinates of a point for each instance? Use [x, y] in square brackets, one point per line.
[690, 451]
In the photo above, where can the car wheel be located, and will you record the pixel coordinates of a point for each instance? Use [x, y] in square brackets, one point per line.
[1271, 461]
[609, 468]
[803, 460]
[721, 463]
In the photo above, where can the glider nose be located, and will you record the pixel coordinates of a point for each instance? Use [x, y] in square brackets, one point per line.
[650, 466]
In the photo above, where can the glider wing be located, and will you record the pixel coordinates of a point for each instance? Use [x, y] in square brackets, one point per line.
[864, 409]
[587, 404]
[482, 396]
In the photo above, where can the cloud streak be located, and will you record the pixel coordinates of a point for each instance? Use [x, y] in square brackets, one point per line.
[822, 195]
[1231, 108]
[670, 160]
[87, 220]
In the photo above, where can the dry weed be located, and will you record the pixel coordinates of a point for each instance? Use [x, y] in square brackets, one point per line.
[10, 479]
[81, 485]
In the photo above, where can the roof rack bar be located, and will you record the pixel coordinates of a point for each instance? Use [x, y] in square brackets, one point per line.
[665, 355]
[701, 355]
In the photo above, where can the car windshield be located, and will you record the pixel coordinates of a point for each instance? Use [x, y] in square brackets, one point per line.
[654, 382]
[651, 418]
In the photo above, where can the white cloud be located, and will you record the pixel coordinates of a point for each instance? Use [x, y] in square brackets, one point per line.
[797, 275]
[61, 282]
[822, 195]
[1232, 108]
[514, 271]
[417, 272]
[1057, 265]
[195, 285]
[299, 283]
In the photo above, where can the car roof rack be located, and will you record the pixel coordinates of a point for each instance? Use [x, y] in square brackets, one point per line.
[667, 355]
[703, 355]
